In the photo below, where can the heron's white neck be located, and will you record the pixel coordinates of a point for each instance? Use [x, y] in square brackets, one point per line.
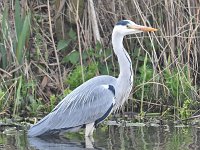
[125, 79]
[125, 63]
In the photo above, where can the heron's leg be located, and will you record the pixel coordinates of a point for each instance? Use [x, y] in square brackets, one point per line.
[89, 129]
[89, 142]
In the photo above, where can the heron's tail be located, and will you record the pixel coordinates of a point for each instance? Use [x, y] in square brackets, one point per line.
[39, 128]
[43, 128]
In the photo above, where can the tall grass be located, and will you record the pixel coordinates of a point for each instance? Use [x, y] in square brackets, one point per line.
[12, 45]
[4, 37]
[14, 35]
[45, 41]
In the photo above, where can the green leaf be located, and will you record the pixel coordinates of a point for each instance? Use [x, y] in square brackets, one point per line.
[72, 34]
[74, 57]
[5, 23]
[98, 46]
[62, 44]
[18, 20]
[4, 56]
[84, 55]
[18, 96]
[22, 38]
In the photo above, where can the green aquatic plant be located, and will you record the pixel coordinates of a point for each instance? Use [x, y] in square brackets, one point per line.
[35, 106]
[185, 109]
[176, 81]
[143, 88]
[180, 89]
[75, 77]
[18, 96]
[52, 102]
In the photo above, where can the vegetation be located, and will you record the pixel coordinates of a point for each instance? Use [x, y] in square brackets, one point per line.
[48, 48]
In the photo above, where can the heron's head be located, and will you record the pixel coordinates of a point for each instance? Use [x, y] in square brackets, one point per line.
[126, 27]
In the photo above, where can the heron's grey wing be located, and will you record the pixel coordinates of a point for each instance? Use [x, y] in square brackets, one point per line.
[81, 107]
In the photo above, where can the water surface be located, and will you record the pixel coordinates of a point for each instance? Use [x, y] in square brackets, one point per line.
[110, 138]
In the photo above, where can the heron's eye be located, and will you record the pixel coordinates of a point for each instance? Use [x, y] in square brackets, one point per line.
[127, 26]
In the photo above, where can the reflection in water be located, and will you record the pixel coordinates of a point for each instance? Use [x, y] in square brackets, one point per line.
[112, 138]
[51, 143]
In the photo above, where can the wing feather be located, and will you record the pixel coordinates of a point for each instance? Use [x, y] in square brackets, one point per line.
[84, 105]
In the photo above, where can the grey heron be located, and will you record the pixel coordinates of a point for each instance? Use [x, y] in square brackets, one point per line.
[93, 101]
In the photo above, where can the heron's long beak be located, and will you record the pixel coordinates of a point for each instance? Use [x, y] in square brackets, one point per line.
[142, 28]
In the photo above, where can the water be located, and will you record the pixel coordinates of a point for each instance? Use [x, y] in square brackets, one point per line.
[111, 138]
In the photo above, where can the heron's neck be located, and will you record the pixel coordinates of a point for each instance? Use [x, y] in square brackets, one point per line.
[125, 64]
[125, 79]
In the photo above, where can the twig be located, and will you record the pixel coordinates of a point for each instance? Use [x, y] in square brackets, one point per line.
[79, 40]
[54, 47]
[6, 72]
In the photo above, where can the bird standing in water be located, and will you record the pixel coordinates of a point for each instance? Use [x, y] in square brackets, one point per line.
[93, 101]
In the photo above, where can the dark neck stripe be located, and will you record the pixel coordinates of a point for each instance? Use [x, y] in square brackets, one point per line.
[131, 69]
